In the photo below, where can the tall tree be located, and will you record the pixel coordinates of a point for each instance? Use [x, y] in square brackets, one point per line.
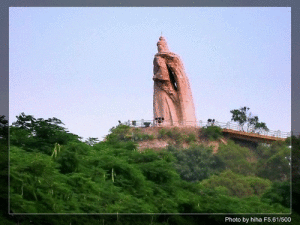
[91, 141]
[240, 115]
[244, 116]
[31, 133]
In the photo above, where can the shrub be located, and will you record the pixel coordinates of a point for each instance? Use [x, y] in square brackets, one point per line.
[171, 133]
[212, 132]
[179, 139]
[145, 136]
[142, 137]
[151, 137]
[175, 134]
[119, 133]
[191, 138]
[162, 133]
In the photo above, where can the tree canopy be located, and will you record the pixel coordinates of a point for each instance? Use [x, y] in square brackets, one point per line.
[244, 116]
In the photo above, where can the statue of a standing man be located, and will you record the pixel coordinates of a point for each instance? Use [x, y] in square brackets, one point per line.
[172, 101]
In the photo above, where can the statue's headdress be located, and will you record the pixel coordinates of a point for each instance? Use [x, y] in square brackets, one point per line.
[162, 45]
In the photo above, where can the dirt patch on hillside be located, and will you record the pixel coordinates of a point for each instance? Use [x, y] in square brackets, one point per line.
[155, 144]
[215, 144]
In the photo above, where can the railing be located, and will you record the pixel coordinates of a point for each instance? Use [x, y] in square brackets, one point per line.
[200, 123]
[233, 126]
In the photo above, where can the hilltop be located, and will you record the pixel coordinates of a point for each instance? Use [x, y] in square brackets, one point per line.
[160, 137]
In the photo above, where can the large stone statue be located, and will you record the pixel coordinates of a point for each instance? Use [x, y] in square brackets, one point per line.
[172, 102]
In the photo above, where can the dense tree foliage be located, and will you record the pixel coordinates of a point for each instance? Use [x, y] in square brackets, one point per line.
[39, 134]
[196, 162]
[279, 192]
[238, 185]
[52, 171]
[237, 158]
[274, 161]
[295, 142]
[4, 169]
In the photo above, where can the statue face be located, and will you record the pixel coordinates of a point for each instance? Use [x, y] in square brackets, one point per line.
[159, 48]
[162, 48]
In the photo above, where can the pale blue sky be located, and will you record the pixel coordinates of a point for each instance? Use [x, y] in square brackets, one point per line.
[91, 67]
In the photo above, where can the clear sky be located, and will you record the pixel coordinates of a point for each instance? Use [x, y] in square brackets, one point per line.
[91, 67]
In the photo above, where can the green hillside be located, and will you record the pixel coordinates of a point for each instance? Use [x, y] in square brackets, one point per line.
[54, 171]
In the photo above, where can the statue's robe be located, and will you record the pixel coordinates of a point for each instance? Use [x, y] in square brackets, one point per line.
[172, 98]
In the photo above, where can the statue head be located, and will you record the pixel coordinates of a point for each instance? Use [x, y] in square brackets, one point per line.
[162, 45]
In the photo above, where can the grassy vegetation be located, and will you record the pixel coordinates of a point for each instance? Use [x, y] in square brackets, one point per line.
[177, 135]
